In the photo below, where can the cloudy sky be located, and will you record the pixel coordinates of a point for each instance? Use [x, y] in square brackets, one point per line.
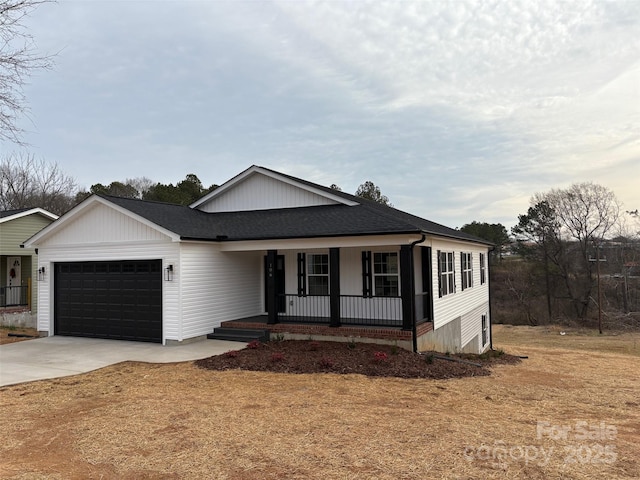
[458, 111]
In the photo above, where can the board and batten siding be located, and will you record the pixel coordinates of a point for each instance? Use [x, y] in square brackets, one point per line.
[350, 285]
[259, 192]
[103, 224]
[452, 306]
[217, 286]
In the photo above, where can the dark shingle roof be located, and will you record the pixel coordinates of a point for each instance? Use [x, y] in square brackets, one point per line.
[9, 213]
[366, 218]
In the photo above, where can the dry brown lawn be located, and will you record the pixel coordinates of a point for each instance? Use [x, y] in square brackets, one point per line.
[137, 420]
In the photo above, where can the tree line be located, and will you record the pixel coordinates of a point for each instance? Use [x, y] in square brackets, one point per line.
[555, 251]
[26, 182]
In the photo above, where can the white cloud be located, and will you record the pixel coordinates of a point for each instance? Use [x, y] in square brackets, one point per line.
[458, 110]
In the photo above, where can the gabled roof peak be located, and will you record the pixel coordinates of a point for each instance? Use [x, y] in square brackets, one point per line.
[8, 215]
[316, 189]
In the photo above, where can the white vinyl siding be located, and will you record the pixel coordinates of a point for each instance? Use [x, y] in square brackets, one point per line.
[218, 286]
[471, 327]
[166, 251]
[450, 307]
[259, 192]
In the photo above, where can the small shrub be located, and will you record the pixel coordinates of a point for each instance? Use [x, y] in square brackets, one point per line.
[253, 344]
[380, 356]
[491, 354]
[277, 357]
[429, 358]
[277, 337]
[352, 344]
[326, 362]
[232, 353]
[395, 349]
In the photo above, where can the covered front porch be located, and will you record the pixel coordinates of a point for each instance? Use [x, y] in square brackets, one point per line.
[380, 291]
[362, 287]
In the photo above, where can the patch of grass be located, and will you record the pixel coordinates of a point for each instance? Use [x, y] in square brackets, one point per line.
[554, 336]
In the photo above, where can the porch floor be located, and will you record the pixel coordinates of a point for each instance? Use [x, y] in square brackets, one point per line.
[320, 327]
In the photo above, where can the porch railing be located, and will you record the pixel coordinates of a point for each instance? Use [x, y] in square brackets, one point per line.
[354, 309]
[13, 296]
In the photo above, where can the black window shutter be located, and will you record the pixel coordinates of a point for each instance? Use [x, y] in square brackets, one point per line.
[462, 268]
[453, 263]
[366, 274]
[439, 273]
[302, 274]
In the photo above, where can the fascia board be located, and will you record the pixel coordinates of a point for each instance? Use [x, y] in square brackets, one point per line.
[40, 211]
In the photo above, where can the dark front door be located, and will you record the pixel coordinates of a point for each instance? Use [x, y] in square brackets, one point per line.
[120, 300]
[280, 292]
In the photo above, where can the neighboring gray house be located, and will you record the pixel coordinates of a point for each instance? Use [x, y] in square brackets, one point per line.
[18, 266]
[264, 249]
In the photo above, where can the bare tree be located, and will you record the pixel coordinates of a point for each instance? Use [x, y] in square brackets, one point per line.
[28, 183]
[141, 184]
[17, 60]
[586, 213]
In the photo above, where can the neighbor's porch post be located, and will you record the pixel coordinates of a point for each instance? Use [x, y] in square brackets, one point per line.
[406, 286]
[334, 286]
[270, 274]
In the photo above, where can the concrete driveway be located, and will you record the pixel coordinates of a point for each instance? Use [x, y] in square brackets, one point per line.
[57, 356]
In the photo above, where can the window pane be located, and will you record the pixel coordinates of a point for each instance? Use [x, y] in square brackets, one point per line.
[385, 262]
[318, 264]
[386, 286]
[318, 285]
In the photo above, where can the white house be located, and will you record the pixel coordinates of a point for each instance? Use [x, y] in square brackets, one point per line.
[264, 250]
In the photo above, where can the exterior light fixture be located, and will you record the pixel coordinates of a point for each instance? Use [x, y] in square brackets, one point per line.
[168, 273]
[41, 272]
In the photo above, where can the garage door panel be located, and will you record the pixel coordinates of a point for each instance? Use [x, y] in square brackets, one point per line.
[117, 300]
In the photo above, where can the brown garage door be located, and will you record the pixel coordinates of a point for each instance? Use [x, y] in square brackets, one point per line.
[119, 300]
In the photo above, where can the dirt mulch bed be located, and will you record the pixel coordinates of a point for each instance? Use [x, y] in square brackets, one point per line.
[12, 335]
[302, 356]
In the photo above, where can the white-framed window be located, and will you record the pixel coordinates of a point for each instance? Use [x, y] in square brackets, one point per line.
[446, 273]
[485, 330]
[466, 267]
[386, 281]
[483, 269]
[318, 273]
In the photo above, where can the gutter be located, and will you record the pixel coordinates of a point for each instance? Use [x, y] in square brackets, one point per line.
[414, 325]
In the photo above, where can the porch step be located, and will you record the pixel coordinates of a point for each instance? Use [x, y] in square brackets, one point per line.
[245, 335]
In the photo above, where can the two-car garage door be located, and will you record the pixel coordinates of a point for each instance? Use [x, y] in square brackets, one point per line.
[119, 300]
